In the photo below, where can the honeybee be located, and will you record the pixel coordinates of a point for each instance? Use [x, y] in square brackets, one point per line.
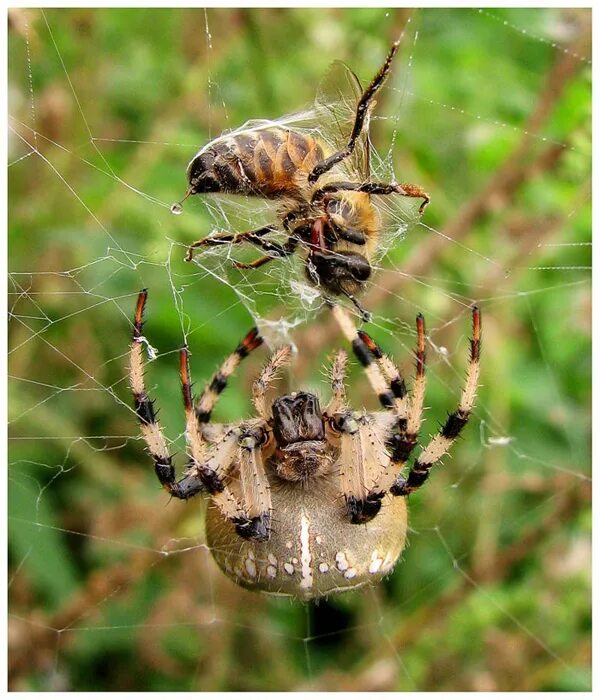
[323, 182]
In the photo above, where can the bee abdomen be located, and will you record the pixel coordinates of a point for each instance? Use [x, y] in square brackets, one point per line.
[268, 163]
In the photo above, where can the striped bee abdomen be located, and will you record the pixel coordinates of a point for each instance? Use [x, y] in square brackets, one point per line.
[271, 162]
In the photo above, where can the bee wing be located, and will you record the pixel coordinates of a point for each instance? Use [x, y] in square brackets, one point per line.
[336, 101]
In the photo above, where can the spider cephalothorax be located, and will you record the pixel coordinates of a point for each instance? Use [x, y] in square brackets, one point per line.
[304, 501]
[302, 451]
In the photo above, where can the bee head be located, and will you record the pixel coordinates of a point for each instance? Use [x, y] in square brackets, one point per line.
[340, 272]
[201, 175]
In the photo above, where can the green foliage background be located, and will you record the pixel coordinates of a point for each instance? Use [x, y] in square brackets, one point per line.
[493, 592]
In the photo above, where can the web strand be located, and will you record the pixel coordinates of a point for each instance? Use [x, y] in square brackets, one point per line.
[98, 146]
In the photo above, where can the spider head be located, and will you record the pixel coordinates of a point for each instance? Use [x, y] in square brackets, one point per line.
[299, 433]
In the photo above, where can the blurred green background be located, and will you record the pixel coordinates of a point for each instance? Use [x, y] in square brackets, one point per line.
[110, 585]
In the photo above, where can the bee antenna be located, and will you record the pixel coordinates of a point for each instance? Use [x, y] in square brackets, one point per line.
[177, 207]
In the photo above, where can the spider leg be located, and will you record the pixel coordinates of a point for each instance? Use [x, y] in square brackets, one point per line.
[211, 467]
[357, 442]
[365, 356]
[400, 423]
[338, 388]
[456, 421]
[205, 404]
[405, 431]
[362, 110]
[380, 188]
[151, 431]
[363, 462]
[390, 372]
[255, 522]
[268, 374]
[251, 512]
[372, 471]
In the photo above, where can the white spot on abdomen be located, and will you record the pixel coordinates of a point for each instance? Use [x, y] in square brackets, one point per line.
[341, 562]
[376, 563]
[306, 576]
[250, 567]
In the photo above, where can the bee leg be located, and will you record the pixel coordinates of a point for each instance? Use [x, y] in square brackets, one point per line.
[223, 238]
[276, 250]
[259, 262]
[362, 111]
[365, 315]
[350, 234]
[381, 188]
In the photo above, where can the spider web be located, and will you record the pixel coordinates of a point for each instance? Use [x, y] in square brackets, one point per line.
[113, 588]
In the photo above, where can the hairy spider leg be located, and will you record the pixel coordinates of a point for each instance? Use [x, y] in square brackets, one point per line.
[151, 431]
[278, 359]
[255, 523]
[337, 402]
[418, 392]
[365, 357]
[362, 492]
[362, 111]
[251, 513]
[404, 433]
[205, 404]
[391, 373]
[363, 462]
[439, 445]
[209, 466]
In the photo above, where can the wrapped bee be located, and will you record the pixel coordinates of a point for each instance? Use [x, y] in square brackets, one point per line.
[324, 185]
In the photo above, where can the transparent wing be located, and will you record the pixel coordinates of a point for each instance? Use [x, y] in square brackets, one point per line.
[331, 119]
[337, 97]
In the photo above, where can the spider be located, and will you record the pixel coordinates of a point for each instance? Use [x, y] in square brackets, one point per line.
[304, 501]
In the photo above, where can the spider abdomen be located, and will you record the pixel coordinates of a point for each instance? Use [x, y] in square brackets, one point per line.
[314, 550]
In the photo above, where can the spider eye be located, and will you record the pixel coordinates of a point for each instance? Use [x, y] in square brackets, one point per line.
[346, 423]
[335, 423]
